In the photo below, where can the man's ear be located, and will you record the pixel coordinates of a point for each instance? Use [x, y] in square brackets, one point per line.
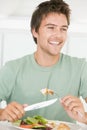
[34, 33]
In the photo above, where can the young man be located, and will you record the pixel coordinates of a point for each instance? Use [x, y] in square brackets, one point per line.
[21, 80]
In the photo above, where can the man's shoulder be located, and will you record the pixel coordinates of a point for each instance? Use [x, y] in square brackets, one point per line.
[73, 61]
[19, 61]
[73, 58]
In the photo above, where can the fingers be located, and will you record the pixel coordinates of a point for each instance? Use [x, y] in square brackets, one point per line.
[74, 107]
[12, 112]
[71, 102]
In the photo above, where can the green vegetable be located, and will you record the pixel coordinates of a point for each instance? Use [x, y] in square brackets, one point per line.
[40, 119]
[17, 123]
[39, 126]
[30, 120]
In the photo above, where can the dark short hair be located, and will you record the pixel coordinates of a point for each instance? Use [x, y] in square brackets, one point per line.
[44, 8]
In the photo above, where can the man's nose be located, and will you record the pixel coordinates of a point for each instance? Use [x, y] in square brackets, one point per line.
[58, 32]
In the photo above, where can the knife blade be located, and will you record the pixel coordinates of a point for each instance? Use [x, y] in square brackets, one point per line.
[40, 105]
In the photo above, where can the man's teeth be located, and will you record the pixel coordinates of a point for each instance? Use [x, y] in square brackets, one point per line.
[55, 43]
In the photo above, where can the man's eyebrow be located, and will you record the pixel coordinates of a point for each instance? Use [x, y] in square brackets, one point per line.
[50, 24]
[66, 26]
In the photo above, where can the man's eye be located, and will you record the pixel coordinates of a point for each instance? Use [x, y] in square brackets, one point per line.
[64, 29]
[50, 27]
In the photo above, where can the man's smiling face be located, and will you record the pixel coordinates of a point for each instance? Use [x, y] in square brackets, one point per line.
[52, 33]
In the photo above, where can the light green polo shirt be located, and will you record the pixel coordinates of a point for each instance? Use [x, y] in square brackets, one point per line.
[21, 80]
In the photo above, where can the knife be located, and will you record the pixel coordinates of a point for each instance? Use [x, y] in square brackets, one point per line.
[40, 104]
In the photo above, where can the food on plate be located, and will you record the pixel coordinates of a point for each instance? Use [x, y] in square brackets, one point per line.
[35, 122]
[46, 91]
[63, 126]
[39, 122]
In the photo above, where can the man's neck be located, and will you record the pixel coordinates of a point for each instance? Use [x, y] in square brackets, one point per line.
[46, 60]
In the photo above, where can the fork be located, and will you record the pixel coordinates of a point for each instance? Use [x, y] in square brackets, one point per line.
[51, 92]
[79, 113]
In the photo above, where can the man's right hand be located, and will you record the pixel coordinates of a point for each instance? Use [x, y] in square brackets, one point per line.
[12, 112]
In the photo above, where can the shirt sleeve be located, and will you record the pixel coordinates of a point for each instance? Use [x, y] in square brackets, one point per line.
[7, 79]
[83, 84]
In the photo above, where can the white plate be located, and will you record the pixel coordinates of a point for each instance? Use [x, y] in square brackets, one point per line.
[10, 126]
